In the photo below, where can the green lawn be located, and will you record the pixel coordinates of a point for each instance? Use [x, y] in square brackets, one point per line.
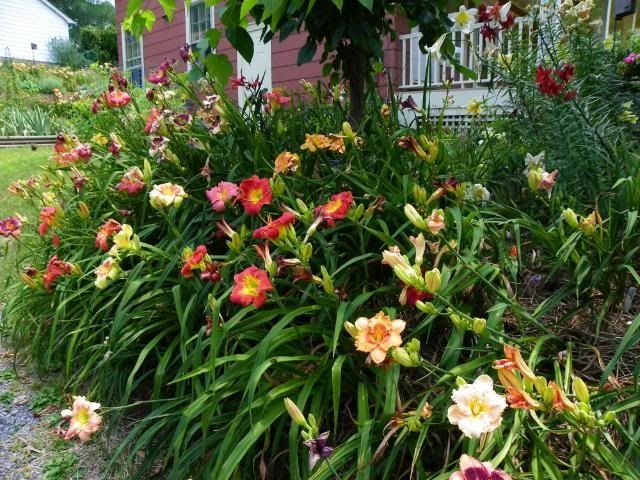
[15, 164]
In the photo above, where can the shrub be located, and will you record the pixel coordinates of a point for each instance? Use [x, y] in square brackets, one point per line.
[64, 52]
[245, 279]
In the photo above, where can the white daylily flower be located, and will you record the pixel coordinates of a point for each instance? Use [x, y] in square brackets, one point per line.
[464, 19]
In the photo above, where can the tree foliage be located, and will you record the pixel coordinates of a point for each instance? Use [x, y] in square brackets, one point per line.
[351, 32]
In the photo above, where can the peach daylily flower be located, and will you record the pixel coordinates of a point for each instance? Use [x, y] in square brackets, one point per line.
[286, 162]
[435, 221]
[315, 142]
[478, 408]
[560, 401]
[84, 420]
[518, 398]
[166, 195]
[377, 335]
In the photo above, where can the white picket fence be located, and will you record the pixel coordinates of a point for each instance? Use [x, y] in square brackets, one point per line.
[469, 48]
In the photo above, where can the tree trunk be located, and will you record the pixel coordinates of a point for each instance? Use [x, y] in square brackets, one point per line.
[355, 68]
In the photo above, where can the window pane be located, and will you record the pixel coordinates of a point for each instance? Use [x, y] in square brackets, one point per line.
[199, 21]
[133, 58]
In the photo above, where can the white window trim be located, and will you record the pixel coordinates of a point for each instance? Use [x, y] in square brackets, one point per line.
[124, 52]
[187, 22]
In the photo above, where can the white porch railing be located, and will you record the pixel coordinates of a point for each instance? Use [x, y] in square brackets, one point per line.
[469, 48]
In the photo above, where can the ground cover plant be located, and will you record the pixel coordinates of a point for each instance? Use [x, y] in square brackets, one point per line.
[271, 291]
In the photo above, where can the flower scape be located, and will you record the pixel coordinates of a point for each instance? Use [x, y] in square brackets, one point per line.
[279, 291]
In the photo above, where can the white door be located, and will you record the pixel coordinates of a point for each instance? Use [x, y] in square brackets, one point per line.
[260, 63]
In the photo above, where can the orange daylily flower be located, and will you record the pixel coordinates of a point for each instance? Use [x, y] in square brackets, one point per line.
[514, 361]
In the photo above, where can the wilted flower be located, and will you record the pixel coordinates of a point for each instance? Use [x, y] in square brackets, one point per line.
[287, 162]
[49, 217]
[519, 399]
[478, 193]
[559, 400]
[251, 287]
[589, 223]
[132, 182]
[185, 53]
[254, 194]
[55, 268]
[318, 449]
[10, 227]
[166, 195]
[84, 419]
[276, 228]
[336, 208]
[385, 111]
[410, 143]
[548, 180]
[377, 335]
[161, 75]
[109, 270]
[473, 469]
[435, 221]
[106, 231]
[222, 194]
[513, 361]
[478, 408]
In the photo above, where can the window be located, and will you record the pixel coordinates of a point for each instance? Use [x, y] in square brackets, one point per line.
[133, 61]
[199, 20]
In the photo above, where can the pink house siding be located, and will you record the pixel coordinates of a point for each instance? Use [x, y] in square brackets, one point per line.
[166, 38]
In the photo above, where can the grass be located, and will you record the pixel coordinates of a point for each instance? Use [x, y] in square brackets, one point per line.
[15, 164]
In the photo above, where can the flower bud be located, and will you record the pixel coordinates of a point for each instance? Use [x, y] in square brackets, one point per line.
[302, 206]
[609, 417]
[401, 356]
[28, 281]
[457, 321]
[427, 308]
[83, 210]
[357, 213]
[540, 384]
[534, 178]
[478, 325]
[351, 329]
[327, 284]
[414, 217]
[277, 186]
[348, 131]
[460, 381]
[580, 390]
[306, 252]
[570, 217]
[295, 413]
[147, 173]
[407, 275]
[419, 193]
[548, 395]
[432, 280]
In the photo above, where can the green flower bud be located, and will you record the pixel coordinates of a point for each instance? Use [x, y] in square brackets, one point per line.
[547, 395]
[414, 217]
[295, 413]
[427, 308]
[609, 417]
[478, 325]
[540, 384]
[401, 356]
[460, 381]
[432, 280]
[302, 206]
[570, 217]
[327, 284]
[580, 390]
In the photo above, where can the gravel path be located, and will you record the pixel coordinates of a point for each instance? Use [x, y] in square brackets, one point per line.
[19, 460]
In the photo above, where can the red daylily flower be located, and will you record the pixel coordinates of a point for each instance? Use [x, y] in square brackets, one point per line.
[106, 231]
[48, 218]
[254, 193]
[193, 261]
[117, 99]
[132, 182]
[161, 75]
[251, 287]
[55, 268]
[336, 208]
[276, 228]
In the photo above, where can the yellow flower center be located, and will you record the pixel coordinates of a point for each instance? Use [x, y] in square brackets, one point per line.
[378, 333]
[477, 407]
[462, 18]
[251, 285]
[332, 206]
[255, 195]
[82, 417]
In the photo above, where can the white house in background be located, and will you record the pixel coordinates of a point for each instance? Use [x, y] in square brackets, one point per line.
[26, 26]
